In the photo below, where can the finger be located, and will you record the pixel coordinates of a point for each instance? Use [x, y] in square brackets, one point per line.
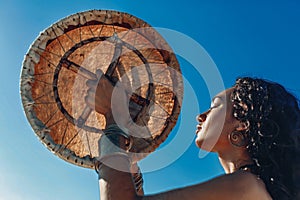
[91, 83]
[90, 100]
[99, 73]
[91, 92]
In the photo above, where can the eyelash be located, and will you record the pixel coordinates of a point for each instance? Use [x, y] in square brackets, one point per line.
[212, 107]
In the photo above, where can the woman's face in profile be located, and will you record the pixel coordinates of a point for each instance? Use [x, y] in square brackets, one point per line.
[216, 123]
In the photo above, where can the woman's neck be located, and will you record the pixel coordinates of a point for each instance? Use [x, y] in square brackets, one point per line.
[234, 162]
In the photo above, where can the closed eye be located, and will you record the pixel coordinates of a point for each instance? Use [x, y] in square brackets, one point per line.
[216, 102]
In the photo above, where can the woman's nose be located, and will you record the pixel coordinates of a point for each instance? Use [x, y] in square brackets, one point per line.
[202, 117]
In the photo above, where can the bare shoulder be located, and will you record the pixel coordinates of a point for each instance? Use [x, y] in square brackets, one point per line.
[250, 185]
[235, 186]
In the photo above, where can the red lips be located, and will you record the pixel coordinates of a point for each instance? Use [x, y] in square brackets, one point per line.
[201, 119]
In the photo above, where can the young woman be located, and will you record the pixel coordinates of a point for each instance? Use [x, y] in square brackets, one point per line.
[258, 145]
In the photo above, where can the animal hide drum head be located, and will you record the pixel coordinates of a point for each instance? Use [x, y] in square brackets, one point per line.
[128, 51]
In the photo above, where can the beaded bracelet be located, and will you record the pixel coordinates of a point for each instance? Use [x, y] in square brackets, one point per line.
[114, 129]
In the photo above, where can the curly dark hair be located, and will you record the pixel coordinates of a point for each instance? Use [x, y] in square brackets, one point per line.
[272, 116]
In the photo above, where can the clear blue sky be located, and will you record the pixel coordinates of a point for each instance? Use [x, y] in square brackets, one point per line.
[252, 38]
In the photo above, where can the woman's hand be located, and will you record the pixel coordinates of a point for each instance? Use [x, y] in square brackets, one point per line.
[99, 93]
[105, 98]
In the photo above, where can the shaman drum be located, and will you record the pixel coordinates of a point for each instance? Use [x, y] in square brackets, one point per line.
[68, 53]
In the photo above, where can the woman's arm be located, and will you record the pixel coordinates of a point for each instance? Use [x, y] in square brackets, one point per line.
[236, 186]
[116, 185]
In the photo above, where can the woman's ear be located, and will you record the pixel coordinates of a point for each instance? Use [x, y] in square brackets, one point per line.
[237, 137]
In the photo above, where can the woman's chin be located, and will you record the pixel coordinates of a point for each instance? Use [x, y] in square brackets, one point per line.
[204, 143]
[199, 141]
